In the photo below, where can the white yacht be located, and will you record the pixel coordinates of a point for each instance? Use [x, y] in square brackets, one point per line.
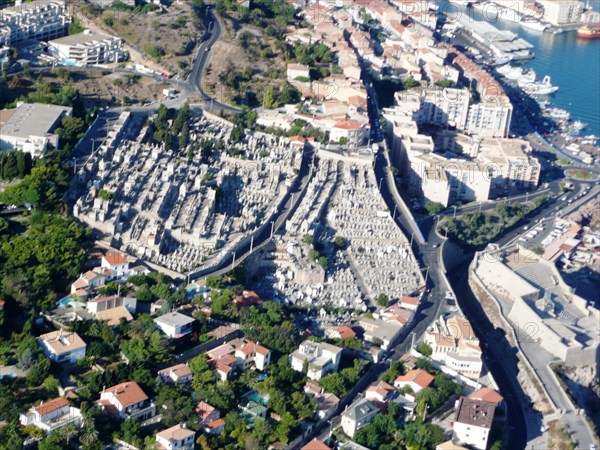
[517, 74]
[534, 25]
[543, 87]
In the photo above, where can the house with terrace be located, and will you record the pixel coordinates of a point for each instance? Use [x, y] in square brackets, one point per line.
[320, 358]
[177, 437]
[51, 415]
[179, 373]
[62, 346]
[174, 324]
[126, 401]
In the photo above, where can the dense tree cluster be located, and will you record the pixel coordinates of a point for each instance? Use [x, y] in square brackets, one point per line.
[341, 382]
[14, 164]
[272, 326]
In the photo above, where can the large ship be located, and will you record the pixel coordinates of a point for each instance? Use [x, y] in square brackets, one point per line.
[532, 24]
[589, 31]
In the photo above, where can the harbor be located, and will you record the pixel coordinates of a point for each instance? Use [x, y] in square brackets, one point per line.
[561, 75]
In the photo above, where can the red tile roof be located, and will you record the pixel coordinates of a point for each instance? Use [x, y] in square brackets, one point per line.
[487, 394]
[128, 393]
[417, 376]
[115, 258]
[316, 444]
[51, 406]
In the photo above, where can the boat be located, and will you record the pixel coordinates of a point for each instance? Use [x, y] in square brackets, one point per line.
[559, 114]
[589, 32]
[517, 74]
[577, 126]
[543, 87]
[532, 24]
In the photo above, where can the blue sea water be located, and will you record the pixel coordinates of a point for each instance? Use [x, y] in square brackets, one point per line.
[572, 63]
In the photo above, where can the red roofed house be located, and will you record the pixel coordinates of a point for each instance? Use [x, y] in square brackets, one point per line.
[177, 437]
[417, 379]
[179, 373]
[250, 352]
[343, 332]
[87, 281]
[248, 298]
[352, 131]
[410, 303]
[487, 394]
[316, 444]
[207, 413]
[214, 427]
[380, 392]
[51, 415]
[117, 263]
[127, 401]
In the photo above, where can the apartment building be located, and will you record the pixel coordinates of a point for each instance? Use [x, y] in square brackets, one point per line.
[472, 422]
[30, 127]
[490, 118]
[454, 344]
[41, 20]
[562, 12]
[87, 48]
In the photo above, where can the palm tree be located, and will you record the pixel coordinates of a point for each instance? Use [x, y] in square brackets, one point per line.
[89, 435]
[68, 432]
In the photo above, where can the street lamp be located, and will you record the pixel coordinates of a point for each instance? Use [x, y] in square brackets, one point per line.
[272, 228]
[380, 180]
[233, 262]
[394, 215]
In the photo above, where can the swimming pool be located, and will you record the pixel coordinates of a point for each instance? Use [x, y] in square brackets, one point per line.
[256, 397]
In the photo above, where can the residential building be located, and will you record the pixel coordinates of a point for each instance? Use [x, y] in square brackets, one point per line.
[97, 305]
[380, 392]
[378, 331]
[117, 263]
[179, 373]
[416, 379]
[454, 344]
[350, 132]
[321, 359]
[215, 427]
[174, 324]
[126, 401]
[562, 12]
[62, 346]
[472, 422]
[51, 415]
[295, 71]
[357, 415]
[490, 118]
[316, 444]
[87, 282]
[114, 316]
[449, 445]
[41, 20]
[487, 394]
[177, 437]
[87, 48]
[30, 127]
[248, 298]
[207, 413]
[250, 352]
[408, 302]
[325, 404]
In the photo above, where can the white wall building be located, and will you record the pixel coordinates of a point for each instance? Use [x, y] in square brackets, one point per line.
[472, 422]
[87, 48]
[29, 128]
[357, 415]
[62, 346]
[562, 12]
[174, 324]
[126, 401]
[51, 415]
[176, 438]
[321, 358]
[41, 20]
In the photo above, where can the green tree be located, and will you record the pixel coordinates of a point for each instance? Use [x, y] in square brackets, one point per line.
[383, 300]
[424, 349]
[433, 208]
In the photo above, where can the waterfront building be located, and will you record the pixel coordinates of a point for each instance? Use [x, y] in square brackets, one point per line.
[562, 12]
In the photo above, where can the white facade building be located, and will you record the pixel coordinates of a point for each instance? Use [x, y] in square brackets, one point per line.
[174, 324]
[321, 358]
[41, 20]
[62, 346]
[29, 128]
[562, 12]
[51, 415]
[472, 422]
[87, 48]
[357, 415]
[176, 438]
